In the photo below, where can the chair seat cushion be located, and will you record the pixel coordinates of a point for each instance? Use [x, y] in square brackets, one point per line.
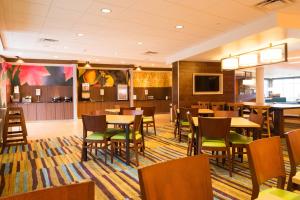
[278, 193]
[101, 136]
[184, 123]
[122, 136]
[213, 142]
[296, 178]
[147, 119]
[239, 139]
[114, 130]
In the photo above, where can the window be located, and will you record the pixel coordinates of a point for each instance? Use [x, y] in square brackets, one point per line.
[289, 88]
[266, 87]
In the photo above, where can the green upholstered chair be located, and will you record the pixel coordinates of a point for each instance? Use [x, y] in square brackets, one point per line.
[293, 146]
[266, 162]
[239, 142]
[191, 135]
[184, 126]
[135, 137]
[148, 117]
[214, 136]
[95, 132]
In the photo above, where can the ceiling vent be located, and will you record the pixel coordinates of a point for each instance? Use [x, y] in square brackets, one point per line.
[273, 4]
[48, 40]
[150, 52]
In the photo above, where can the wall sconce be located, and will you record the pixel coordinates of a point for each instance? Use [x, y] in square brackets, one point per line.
[87, 64]
[138, 68]
[38, 94]
[134, 97]
[146, 92]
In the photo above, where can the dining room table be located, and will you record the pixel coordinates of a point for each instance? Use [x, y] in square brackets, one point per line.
[115, 111]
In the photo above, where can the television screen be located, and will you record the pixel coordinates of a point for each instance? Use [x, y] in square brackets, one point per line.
[208, 83]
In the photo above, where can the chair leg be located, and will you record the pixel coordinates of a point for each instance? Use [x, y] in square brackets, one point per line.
[96, 148]
[179, 133]
[229, 161]
[112, 151]
[147, 125]
[136, 150]
[105, 151]
[175, 129]
[154, 127]
[233, 156]
[188, 148]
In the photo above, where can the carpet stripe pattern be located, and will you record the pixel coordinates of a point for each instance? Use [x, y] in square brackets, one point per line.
[57, 161]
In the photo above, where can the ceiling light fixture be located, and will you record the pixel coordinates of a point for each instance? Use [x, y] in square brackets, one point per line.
[139, 43]
[179, 26]
[55, 57]
[265, 56]
[87, 64]
[105, 10]
[138, 68]
[19, 60]
[230, 63]
[80, 34]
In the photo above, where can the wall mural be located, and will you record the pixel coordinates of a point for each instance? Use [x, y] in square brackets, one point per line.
[37, 75]
[102, 78]
[152, 79]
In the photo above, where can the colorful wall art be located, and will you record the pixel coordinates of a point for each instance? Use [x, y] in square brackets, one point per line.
[38, 75]
[102, 78]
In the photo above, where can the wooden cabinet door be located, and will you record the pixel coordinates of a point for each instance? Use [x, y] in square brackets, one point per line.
[59, 111]
[41, 111]
[31, 112]
[68, 110]
[50, 111]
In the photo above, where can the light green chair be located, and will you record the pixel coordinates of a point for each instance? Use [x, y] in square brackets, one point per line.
[135, 138]
[95, 132]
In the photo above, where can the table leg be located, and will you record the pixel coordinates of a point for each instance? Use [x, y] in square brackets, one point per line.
[84, 152]
[142, 132]
[278, 122]
[127, 144]
[197, 149]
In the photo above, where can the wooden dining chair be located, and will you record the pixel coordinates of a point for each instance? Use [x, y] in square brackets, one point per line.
[148, 118]
[239, 142]
[191, 135]
[217, 106]
[95, 132]
[135, 137]
[226, 113]
[265, 163]
[236, 106]
[184, 126]
[268, 118]
[293, 146]
[203, 105]
[176, 120]
[122, 109]
[214, 136]
[184, 178]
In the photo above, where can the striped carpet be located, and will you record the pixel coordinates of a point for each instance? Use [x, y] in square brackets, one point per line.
[52, 162]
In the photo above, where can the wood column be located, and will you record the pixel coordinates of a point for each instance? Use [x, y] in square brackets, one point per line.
[260, 85]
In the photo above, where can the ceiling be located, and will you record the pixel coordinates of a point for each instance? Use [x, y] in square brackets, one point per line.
[124, 35]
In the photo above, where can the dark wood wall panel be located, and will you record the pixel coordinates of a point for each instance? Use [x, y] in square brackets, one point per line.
[159, 93]
[186, 70]
[41, 111]
[161, 106]
[175, 83]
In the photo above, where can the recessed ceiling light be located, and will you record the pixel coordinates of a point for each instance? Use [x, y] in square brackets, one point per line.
[105, 10]
[152, 64]
[179, 26]
[80, 34]
[122, 62]
[139, 43]
[65, 47]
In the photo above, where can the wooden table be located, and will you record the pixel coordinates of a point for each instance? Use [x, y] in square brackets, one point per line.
[115, 111]
[203, 111]
[236, 122]
[278, 109]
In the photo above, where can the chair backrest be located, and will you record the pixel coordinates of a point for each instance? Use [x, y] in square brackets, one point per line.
[148, 111]
[97, 112]
[94, 123]
[192, 124]
[214, 128]
[227, 113]
[82, 191]
[203, 105]
[217, 105]
[184, 178]
[236, 106]
[183, 111]
[266, 162]
[138, 116]
[256, 118]
[122, 109]
[293, 145]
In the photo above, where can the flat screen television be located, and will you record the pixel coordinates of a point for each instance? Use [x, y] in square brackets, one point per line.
[207, 83]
